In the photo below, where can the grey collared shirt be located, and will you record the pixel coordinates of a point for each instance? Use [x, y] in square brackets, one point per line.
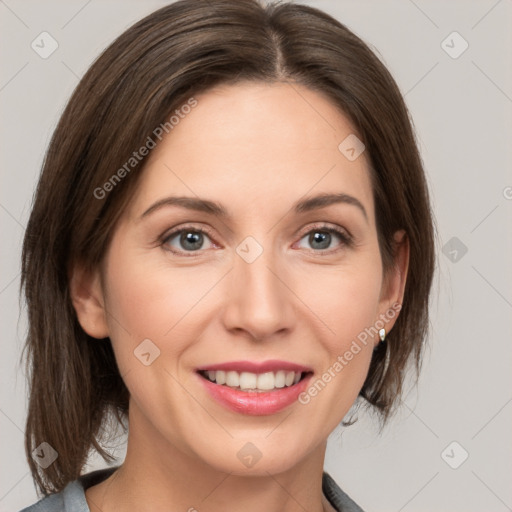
[72, 498]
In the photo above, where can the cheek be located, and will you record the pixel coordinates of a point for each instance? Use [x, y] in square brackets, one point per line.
[344, 299]
[344, 303]
[147, 299]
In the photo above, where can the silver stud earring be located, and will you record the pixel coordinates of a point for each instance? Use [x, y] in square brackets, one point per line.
[382, 334]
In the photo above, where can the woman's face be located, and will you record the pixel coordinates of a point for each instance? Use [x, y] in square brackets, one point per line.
[276, 277]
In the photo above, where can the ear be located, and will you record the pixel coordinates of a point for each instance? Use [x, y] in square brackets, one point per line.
[86, 292]
[393, 286]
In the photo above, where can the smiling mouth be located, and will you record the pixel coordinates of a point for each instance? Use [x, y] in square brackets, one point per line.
[254, 382]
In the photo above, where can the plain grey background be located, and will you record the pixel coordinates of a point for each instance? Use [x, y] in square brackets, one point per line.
[450, 447]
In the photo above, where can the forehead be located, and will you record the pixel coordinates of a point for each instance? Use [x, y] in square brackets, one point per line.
[255, 143]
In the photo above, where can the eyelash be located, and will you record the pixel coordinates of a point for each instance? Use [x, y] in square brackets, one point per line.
[185, 229]
[345, 238]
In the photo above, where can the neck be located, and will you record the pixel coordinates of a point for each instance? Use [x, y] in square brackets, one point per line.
[158, 475]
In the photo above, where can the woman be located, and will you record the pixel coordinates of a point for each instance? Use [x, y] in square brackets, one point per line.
[231, 243]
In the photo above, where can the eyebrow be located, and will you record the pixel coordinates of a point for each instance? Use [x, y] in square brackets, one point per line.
[214, 208]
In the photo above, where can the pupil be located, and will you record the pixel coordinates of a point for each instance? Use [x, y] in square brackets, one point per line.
[323, 239]
[191, 240]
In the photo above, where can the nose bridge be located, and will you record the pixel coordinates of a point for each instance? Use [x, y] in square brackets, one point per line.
[258, 301]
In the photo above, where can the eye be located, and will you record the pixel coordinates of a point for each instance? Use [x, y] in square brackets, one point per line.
[324, 238]
[187, 240]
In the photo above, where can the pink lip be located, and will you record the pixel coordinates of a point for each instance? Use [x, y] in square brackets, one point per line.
[254, 367]
[252, 402]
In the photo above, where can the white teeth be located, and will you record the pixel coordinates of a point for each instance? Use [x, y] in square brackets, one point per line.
[232, 379]
[280, 378]
[247, 380]
[252, 381]
[266, 381]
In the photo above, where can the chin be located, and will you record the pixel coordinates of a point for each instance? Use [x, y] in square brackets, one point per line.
[256, 457]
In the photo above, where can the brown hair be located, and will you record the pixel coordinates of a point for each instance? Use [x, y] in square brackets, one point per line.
[143, 76]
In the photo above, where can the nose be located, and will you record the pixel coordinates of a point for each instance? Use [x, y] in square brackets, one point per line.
[258, 300]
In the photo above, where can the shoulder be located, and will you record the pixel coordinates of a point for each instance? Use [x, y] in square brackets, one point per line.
[60, 502]
[72, 497]
[339, 499]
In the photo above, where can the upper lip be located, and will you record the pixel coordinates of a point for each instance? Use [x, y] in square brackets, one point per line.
[256, 367]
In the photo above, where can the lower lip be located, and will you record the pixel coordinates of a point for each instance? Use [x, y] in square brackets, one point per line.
[255, 403]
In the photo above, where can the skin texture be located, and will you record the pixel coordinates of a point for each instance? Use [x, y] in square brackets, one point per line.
[256, 149]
